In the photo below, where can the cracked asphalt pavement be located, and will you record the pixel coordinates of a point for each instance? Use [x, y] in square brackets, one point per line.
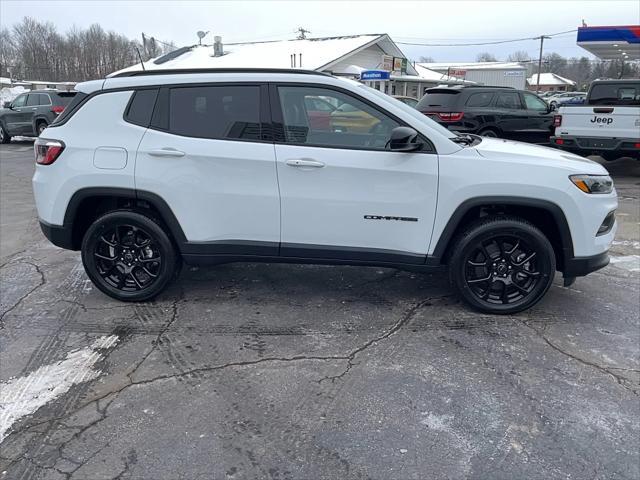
[248, 371]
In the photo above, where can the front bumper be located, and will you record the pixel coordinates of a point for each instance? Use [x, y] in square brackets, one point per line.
[581, 266]
[595, 145]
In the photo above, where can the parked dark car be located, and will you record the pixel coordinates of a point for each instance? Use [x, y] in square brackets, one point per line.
[490, 111]
[30, 113]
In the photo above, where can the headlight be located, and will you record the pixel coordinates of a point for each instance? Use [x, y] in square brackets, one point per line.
[593, 183]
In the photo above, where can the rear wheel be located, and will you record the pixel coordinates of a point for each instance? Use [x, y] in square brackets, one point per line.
[502, 265]
[4, 136]
[488, 132]
[40, 127]
[129, 256]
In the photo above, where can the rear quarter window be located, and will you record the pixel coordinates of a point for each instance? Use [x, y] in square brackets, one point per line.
[141, 106]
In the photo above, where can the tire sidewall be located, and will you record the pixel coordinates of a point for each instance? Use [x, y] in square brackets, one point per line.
[532, 236]
[491, 133]
[5, 138]
[163, 242]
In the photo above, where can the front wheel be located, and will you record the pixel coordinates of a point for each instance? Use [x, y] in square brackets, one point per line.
[4, 136]
[502, 265]
[129, 256]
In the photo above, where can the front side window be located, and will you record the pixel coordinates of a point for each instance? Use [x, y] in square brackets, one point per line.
[33, 100]
[508, 100]
[351, 124]
[534, 103]
[20, 101]
[216, 112]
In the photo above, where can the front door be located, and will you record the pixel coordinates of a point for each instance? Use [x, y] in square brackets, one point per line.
[18, 118]
[343, 194]
[510, 115]
[208, 161]
[539, 118]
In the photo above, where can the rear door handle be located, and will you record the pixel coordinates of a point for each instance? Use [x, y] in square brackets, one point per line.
[166, 152]
[304, 162]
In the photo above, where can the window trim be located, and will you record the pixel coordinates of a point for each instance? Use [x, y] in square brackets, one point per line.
[163, 101]
[277, 119]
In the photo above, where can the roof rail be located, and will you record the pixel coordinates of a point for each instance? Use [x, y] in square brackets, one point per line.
[179, 71]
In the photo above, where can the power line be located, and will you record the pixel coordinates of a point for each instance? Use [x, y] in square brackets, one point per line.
[477, 44]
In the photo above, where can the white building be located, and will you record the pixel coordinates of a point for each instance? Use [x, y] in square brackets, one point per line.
[342, 56]
[498, 74]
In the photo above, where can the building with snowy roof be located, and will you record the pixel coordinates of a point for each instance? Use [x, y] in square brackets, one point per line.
[351, 56]
[550, 82]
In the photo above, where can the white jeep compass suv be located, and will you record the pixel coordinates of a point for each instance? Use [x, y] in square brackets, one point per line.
[146, 169]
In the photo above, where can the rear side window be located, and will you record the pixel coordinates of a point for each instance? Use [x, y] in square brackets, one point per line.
[33, 100]
[623, 93]
[480, 99]
[141, 107]
[438, 98]
[217, 112]
[509, 101]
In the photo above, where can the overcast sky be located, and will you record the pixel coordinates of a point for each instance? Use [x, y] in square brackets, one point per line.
[413, 21]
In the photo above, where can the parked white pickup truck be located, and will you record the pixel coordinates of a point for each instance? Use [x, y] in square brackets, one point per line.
[607, 125]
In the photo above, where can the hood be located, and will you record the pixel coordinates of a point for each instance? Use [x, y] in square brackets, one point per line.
[526, 153]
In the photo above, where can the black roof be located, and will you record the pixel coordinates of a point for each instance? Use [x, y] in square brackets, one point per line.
[178, 71]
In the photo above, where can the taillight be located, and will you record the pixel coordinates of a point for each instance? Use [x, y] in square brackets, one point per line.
[47, 151]
[57, 110]
[557, 120]
[559, 141]
[636, 145]
[447, 116]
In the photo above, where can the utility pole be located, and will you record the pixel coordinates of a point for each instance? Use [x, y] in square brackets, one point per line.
[302, 35]
[542, 37]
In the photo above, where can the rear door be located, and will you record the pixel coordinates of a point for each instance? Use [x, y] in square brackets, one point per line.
[209, 158]
[511, 117]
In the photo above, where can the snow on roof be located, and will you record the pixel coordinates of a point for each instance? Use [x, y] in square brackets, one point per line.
[311, 54]
[433, 76]
[549, 79]
[474, 66]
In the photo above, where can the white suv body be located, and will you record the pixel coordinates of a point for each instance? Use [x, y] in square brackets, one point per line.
[234, 166]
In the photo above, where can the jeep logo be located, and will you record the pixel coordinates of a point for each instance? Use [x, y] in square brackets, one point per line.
[602, 120]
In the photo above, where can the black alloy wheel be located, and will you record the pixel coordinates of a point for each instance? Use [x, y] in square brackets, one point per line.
[128, 256]
[502, 265]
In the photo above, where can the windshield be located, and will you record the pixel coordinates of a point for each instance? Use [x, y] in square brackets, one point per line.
[413, 112]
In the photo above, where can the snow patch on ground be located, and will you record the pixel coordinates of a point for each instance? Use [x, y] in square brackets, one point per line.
[22, 396]
[627, 262]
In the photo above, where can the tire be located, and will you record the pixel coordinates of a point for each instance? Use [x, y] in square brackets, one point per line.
[40, 126]
[502, 265]
[488, 132]
[4, 136]
[118, 253]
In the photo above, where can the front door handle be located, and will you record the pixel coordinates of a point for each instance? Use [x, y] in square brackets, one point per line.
[304, 162]
[166, 152]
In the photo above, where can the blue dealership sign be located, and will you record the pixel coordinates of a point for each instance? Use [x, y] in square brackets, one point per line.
[375, 75]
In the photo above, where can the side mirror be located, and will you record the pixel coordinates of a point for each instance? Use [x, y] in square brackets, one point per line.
[552, 108]
[404, 139]
[6, 104]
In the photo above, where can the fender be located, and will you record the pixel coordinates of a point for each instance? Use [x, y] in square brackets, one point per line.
[158, 202]
[558, 215]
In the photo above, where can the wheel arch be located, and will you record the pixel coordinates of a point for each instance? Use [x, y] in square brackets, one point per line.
[544, 214]
[88, 204]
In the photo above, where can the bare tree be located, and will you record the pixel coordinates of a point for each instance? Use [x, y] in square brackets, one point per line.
[518, 56]
[486, 57]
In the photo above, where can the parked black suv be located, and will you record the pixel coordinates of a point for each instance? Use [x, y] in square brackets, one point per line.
[490, 111]
[30, 113]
